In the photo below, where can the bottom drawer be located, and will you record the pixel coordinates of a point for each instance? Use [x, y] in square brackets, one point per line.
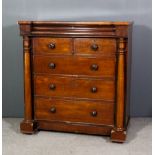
[95, 112]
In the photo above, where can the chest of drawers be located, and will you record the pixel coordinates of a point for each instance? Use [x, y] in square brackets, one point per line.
[77, 77]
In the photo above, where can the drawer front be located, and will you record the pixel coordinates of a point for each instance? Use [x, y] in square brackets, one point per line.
[52, 45]
[95, 46]
[74, 87]
[104, 67]
[74, 111]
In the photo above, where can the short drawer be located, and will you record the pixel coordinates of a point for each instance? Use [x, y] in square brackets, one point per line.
[95, 46]
[52, 45]
[74, 111]
[74, 87]
[71, 65]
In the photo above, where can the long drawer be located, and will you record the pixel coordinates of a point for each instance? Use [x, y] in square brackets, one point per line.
[75, 65]
[74, 111]
[74, 87]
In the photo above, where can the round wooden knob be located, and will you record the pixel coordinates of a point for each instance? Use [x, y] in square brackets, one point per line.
[52, 45]
[94, 47]
[52, 65]
[52, 86]
[94, 67]
[53, 110]
[93, 89]
[94, 113]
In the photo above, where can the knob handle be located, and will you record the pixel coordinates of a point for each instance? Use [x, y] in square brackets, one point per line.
[94, 47]
[52, 86]
[94, 67]
[93, 89]
[94, 113]
[53, 110]
[51, 45]
[52, 65]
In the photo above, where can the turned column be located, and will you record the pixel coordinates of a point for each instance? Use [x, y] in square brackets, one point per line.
[27, 79]
[28, 125]
[118, 133]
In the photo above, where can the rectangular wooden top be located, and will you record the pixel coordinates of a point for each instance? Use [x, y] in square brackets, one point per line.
[77, 22]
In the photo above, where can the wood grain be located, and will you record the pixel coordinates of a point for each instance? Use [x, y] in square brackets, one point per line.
[62, 45]
[77, 22]
[75, 65]
[74, 87]
[74, 111]
[27, 79]
[77, 77]
[104, 46]
[75, 127]
[120, 98]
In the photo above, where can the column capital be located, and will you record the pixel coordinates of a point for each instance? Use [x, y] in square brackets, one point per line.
[121, 46]
[26, 44]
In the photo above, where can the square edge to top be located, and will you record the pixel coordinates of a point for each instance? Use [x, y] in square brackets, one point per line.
[116, 23]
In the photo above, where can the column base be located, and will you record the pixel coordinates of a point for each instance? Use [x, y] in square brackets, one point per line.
[28, 126]
[118, 135]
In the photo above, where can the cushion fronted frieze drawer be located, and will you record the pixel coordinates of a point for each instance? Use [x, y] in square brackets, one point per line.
[77, 77]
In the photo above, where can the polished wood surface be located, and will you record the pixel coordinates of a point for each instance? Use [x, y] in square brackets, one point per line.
[77, 77]
[44, 45]
[75, 65]
[76, 127]
[95, 46]
[120, 84]
[120, 96]
[27, 79]
[74, 87]
[74, 29]
[28, 125]
[74, 111]
[85, 23]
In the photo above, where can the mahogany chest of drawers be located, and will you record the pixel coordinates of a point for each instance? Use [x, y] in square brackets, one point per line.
[77, 77]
